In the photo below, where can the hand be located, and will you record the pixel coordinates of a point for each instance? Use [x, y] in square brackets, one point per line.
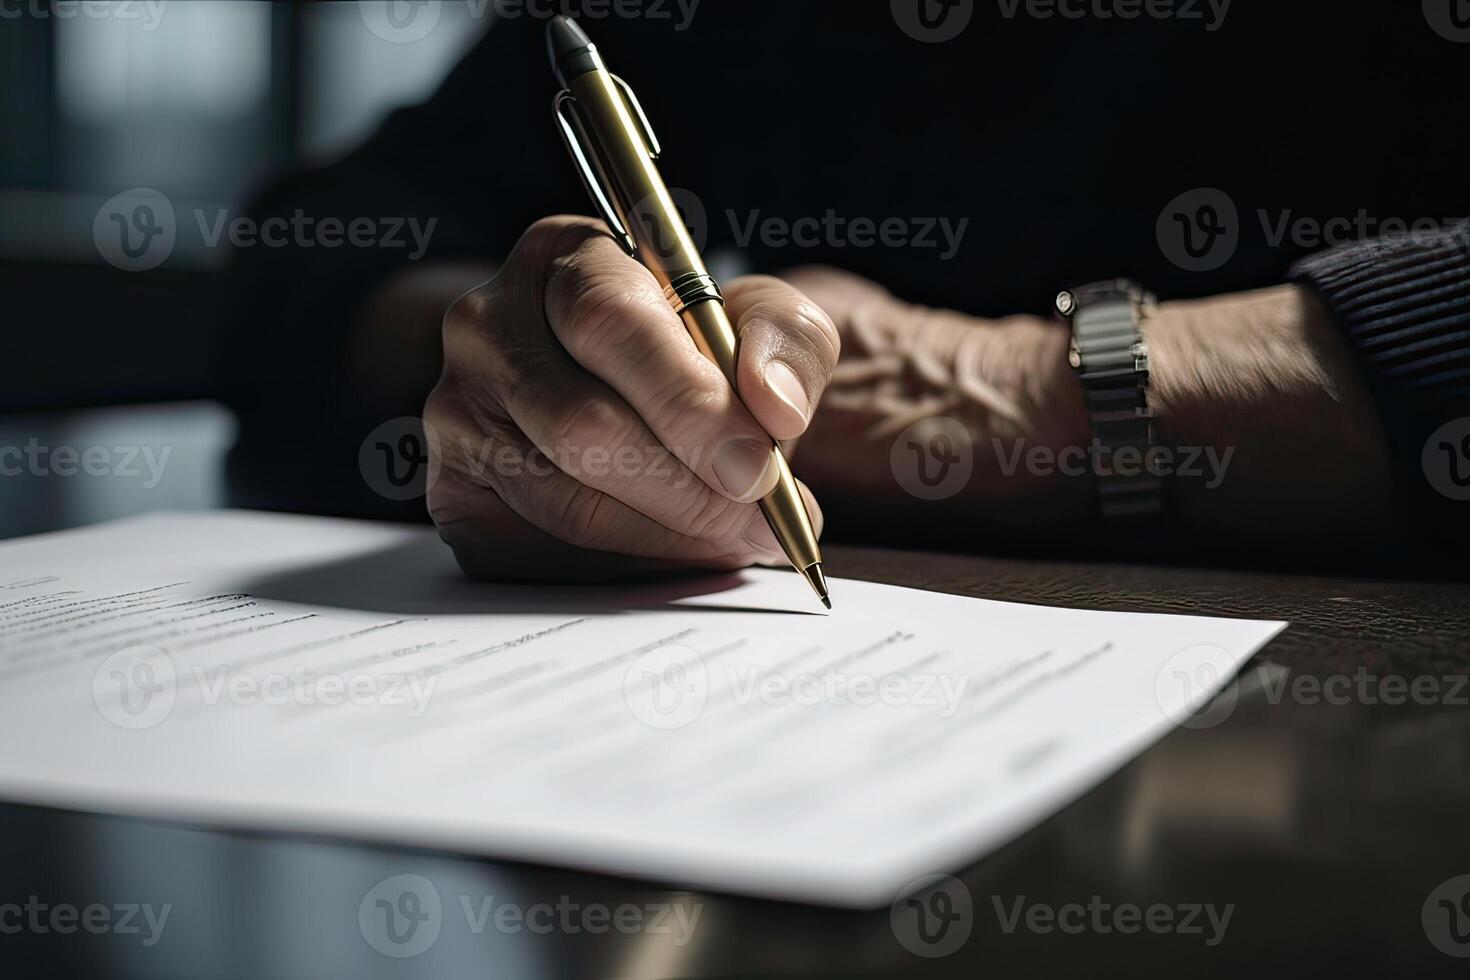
[579, 434]
[1006, 382]
[1255, 393]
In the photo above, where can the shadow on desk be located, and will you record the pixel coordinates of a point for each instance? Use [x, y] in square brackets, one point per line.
[420, 578]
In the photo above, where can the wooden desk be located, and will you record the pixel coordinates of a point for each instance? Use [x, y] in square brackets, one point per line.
[1325, 825]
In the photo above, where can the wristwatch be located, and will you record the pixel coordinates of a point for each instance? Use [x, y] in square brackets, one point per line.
[1111, 360]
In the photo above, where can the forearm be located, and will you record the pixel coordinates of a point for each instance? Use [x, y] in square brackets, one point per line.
[1257, 397]
[1261, 389]
[1271, 436]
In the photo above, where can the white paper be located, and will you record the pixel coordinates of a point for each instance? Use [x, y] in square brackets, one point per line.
[302, 674]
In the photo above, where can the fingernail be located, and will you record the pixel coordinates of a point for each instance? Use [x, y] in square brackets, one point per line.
[788, 387]
[741, 466]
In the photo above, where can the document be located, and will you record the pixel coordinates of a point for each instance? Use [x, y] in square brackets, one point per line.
[271, 672]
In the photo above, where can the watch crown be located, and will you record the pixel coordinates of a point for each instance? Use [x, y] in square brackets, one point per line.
[1066, 303]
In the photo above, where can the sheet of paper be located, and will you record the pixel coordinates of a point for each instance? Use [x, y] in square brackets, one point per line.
[278, 672]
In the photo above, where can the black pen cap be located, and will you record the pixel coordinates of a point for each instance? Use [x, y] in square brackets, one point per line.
[572, 52]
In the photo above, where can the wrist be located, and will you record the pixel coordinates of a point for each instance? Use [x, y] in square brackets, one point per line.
[1025, 408]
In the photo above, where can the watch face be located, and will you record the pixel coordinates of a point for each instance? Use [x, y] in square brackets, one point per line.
[1103, 292]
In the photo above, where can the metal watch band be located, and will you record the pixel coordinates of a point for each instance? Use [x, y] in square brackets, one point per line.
[1111, 360]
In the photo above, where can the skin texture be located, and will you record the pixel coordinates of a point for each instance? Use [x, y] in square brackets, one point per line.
[1262, 376]
[576, 421]
[579, 433]
[1007, 381]
[1267, 373]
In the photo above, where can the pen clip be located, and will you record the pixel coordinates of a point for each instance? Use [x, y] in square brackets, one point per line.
[649, 140]
[589, 167]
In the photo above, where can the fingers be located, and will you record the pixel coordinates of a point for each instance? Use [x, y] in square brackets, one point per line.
[611, 316]
[491, 541]
[842, 295]
[565, 378]
[516, 405]
[588, 431]
[788, 347]
[487, 464]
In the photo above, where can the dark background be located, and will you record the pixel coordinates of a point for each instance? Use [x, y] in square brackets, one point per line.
[204, 108]
[1327, 825]
[205, 105]
[1060, 140]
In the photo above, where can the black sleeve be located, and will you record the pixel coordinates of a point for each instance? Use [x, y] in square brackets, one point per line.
[467, 170]
[1403, 304]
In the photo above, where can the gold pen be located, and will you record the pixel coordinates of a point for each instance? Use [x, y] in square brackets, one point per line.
[613, 145]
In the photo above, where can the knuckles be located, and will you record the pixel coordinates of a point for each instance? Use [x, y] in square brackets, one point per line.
[592, 423]
[692, 408]
[466, 318]
[801, 326]
[548, 238]
[820, 326]
[566, 270]
[711, 517]
[582, 517]
[595, 312]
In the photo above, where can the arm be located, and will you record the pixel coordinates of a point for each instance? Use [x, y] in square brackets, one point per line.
[1257, 390]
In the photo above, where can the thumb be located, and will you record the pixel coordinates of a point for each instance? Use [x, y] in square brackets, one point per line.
[788, 347]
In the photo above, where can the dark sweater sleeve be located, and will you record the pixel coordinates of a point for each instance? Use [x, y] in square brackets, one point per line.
[460, 175]
[1403, 304]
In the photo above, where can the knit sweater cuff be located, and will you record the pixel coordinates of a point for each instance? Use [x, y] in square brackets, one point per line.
[1403, 305]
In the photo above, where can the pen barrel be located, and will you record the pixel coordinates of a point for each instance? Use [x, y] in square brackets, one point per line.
[665, 247]
[639, 194]
[714, 335]
[785, 511]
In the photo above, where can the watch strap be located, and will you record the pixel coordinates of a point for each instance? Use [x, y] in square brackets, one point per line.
[1112, 363]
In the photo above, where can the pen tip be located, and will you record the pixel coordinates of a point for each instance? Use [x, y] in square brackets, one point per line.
[813, 574]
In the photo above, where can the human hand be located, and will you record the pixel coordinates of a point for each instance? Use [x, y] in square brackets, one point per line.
[1006, 382]
[1257, 403]
[578, 433]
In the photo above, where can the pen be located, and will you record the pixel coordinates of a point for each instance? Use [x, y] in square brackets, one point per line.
[613, 145]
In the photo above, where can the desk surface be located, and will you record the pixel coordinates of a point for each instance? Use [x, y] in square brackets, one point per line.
[1325, 806]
